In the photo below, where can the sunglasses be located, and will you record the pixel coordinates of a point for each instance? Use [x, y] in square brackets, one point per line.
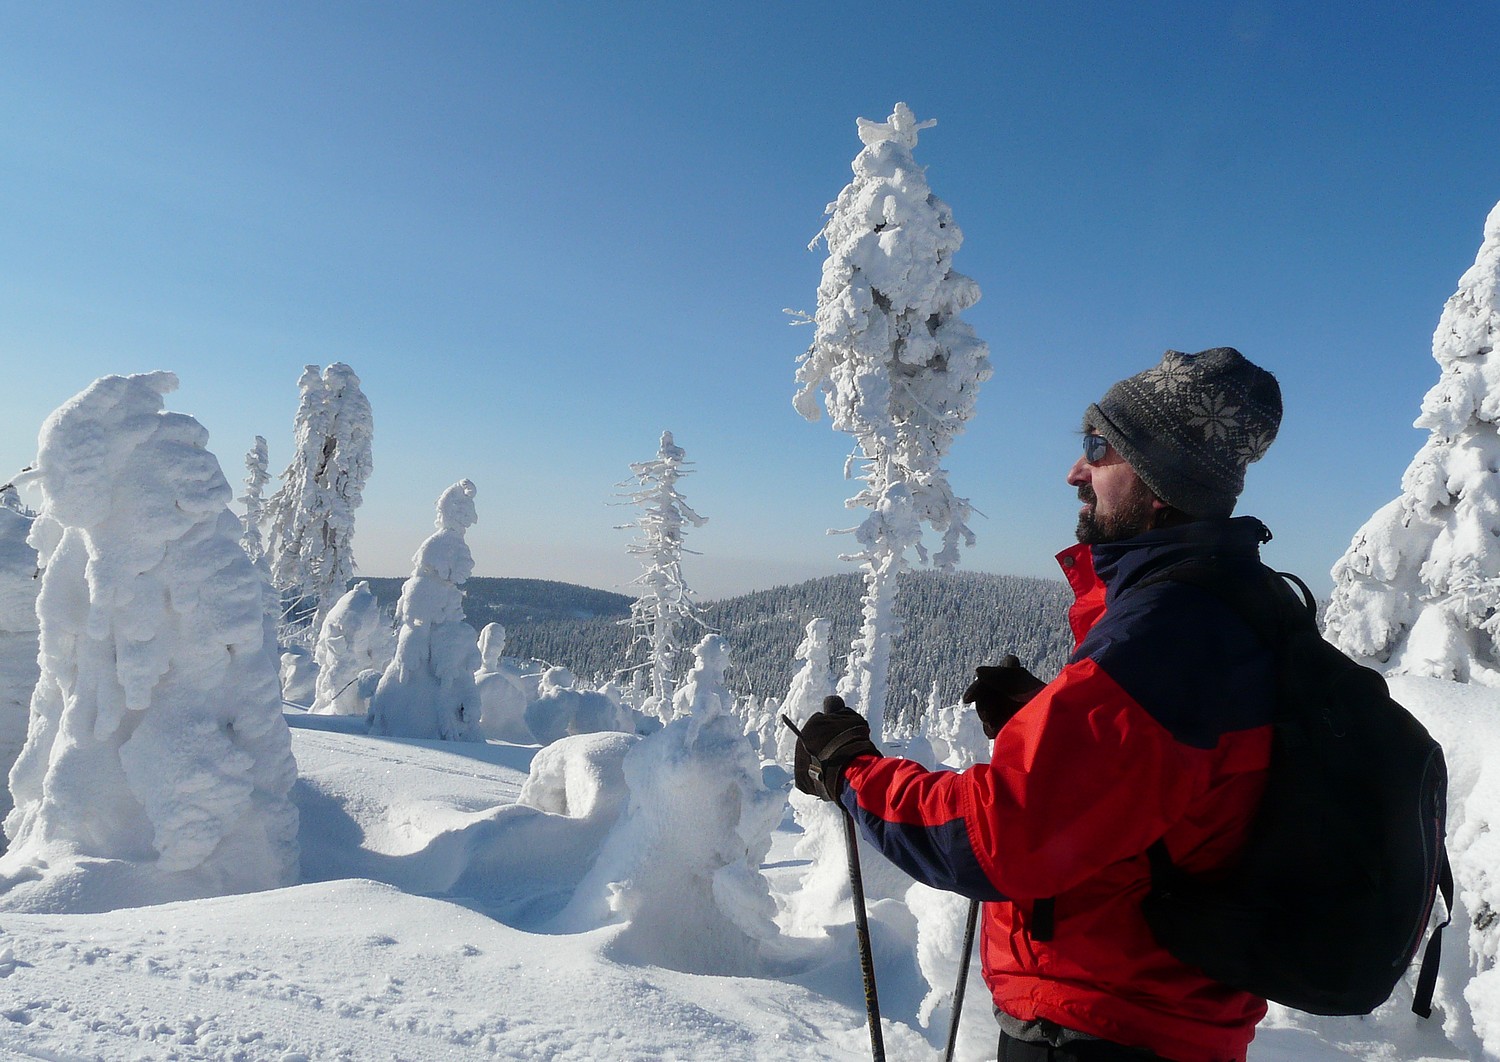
[1095, 447]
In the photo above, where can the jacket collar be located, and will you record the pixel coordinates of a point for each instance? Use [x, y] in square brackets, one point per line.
[1119, 565]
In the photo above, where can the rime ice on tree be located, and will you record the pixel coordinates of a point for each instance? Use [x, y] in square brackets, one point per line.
[256, 478]
[427, 691]
[157, 758]
[813, 682]
[665, 604]
[897, 369]
[18, 634]
[312, 514]
[1418, 591]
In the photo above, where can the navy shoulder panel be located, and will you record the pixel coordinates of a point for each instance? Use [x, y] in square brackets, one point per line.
[1187, 659]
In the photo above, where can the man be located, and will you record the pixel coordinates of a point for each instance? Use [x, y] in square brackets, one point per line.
[1157, 729]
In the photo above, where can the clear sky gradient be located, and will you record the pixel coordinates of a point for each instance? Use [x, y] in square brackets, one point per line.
[543, 233]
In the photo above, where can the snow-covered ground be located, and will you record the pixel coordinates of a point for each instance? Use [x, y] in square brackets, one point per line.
[426, 928]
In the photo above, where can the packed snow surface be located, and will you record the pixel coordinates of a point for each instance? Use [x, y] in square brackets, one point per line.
[427, 925]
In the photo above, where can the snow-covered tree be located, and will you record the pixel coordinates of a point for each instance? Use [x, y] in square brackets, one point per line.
[312, 514]
[665, 606]
[427, 691]
[18, 633]
[355, 641]
[899, 370]
[256, 478]
[813, 682]
[503, 695]
[157, 764]
[1418, 591]
[682, 865]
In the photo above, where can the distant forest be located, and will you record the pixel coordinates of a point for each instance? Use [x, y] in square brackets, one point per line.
[951, 623]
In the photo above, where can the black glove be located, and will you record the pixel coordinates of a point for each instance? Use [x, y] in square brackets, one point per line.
[828, 741]
[997, 693]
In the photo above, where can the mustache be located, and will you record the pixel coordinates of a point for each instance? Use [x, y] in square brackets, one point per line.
[1086, 494]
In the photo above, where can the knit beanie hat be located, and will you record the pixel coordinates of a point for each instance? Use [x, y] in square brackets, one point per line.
[1190, 425]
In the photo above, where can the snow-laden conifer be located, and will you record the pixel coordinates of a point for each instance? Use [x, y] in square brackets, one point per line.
[666, 606]
[312, 514]
[157, 764]
[813, 682]
[427, 690]
[256, 478]
[897, 369]
[18, 634]
[503, 696]
[1418, 591]
[354, 641]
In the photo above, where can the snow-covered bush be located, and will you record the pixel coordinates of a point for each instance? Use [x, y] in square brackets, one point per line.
[681, 868]
[898, 370]
[19, 583]
[157, 764]
[561, 708]
[581, 777]
[312, 514]
[427, 690]
[666, 605]
[955, 735]
[355, 638]
[504, 690]
[1418, 591]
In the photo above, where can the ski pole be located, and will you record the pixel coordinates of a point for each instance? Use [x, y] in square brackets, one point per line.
[963, 979]
[861, 923]
[862, 931]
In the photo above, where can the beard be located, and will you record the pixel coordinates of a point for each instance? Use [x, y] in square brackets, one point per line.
[1134, 516]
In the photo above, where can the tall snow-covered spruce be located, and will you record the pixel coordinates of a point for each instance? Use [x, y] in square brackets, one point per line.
[256, 478]
[1418, 591]
[311, 541]
[666, 606]
[897, 369]
[427, 690]
[157, 764]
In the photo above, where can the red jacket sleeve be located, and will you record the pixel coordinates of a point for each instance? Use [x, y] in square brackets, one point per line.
[1080, 778]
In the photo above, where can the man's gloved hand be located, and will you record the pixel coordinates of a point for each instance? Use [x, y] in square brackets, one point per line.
[999, 692]
[830, 739]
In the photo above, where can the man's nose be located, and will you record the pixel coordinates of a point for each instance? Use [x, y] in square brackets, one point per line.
[1078, 475]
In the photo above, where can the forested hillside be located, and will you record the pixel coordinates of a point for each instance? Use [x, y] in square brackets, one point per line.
[952, 622]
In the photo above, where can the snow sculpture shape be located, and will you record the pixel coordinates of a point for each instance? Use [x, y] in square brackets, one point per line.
[355, 639]
[1418, 591]
[681, 868]
[427, 691]
[666, 604]
[503, 692]
[312, 515]
[18, 634]
[156, 734]
[898, 370]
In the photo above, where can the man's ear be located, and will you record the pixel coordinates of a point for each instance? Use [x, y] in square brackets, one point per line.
[1157, 505]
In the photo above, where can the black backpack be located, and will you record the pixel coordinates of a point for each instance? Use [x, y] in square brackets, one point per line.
[1326, 907]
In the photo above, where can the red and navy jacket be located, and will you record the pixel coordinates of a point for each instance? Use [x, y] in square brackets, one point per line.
[1157, 728]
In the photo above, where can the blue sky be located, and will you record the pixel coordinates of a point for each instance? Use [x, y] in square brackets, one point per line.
[543, 233]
